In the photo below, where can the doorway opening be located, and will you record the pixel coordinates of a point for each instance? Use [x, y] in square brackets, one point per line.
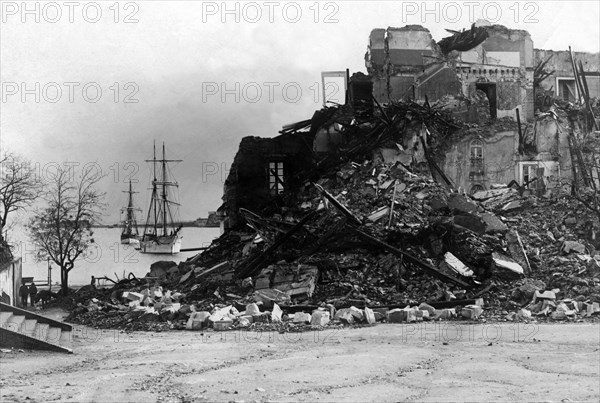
[490, 92]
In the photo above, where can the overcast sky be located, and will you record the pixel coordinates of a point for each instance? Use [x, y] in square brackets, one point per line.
[187, 73]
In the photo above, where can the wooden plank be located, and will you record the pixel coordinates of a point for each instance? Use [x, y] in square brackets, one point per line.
[393, 202]
[587, 95]
[343, 209]
[253, 266]
[521, 141]
[577, 83]
[414, 260]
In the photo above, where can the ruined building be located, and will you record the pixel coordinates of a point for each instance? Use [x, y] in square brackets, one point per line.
[476, 109]
[561, 82]
[406, 63]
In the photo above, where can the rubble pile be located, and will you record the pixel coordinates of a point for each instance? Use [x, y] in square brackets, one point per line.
[561, 245]
[346, 274]
[373, 237]
[128, 306]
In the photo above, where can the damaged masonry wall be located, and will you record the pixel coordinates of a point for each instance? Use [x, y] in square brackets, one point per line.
[484, 76]
[479, 158]
[497, 63]
[561, 83]
[502, 67]
[250, 182]
[350, 212]
[397, 58]
[406, 63]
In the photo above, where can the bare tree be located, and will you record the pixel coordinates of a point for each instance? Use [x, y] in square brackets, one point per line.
[62, 230]
[19, 186]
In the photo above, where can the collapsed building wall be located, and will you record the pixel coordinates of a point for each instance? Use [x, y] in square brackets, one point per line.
[478, 159]
[561, 81]
[552, 160]
[475, 162]
[502, 67]
[402, 59]
[406, 63]
[483, 76]
[263, 172]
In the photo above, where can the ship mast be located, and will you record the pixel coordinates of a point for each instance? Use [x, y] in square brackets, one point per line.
[159, 208]
[152, 211]
[164, 190]
[130, 222]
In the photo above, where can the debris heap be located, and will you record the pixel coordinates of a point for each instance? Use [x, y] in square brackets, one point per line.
[371, 237]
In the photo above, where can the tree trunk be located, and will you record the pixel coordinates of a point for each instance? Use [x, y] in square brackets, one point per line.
[64, 280]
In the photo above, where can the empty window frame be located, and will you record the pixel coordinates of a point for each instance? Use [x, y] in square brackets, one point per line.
[476, 155]
[276, 177]
[529, 174]
[566, 89]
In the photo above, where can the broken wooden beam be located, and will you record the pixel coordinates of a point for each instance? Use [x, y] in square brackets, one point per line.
[414, 260]
[343, 209]
[257, 263]
[577, 82]
[392, 205]
[433, 166]
[521, 140]
[586, 95]
[515, 247]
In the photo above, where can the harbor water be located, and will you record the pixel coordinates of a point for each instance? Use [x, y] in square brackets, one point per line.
[107, 256]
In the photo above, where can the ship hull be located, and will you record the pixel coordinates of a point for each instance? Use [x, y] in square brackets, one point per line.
[129, 238]
[167, 245]
[130, 241]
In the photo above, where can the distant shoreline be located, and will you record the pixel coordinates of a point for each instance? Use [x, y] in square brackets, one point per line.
[183, 224]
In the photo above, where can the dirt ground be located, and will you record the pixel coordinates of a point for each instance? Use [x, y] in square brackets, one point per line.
[442, 361]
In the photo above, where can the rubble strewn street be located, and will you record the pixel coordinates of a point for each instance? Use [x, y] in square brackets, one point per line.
[300, 202]
[371, 240]
[430, 361]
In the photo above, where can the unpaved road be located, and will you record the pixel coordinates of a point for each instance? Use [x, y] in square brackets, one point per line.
[445, 361]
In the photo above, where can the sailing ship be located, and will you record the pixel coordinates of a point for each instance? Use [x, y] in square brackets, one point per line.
[130, 234]
[160, 234]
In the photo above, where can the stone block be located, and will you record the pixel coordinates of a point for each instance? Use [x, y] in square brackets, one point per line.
[276, 314]
[447, 313]
[349, 315]
[133, 296]
[252, 309]
[505, 266]
[470, 222]
[262, 317]
[249, 318]
[379, 316]
[459, 203]
[437, 204]
[401, 315]
[572, 246]
[223, 324]
[302, 317]
[549, 295]
[382, 311]
[471, 312]
[369, 316]
[320, 318]
[452, 263]
[524, 314]
[493, 224]
[198, 320]
[426, 307]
